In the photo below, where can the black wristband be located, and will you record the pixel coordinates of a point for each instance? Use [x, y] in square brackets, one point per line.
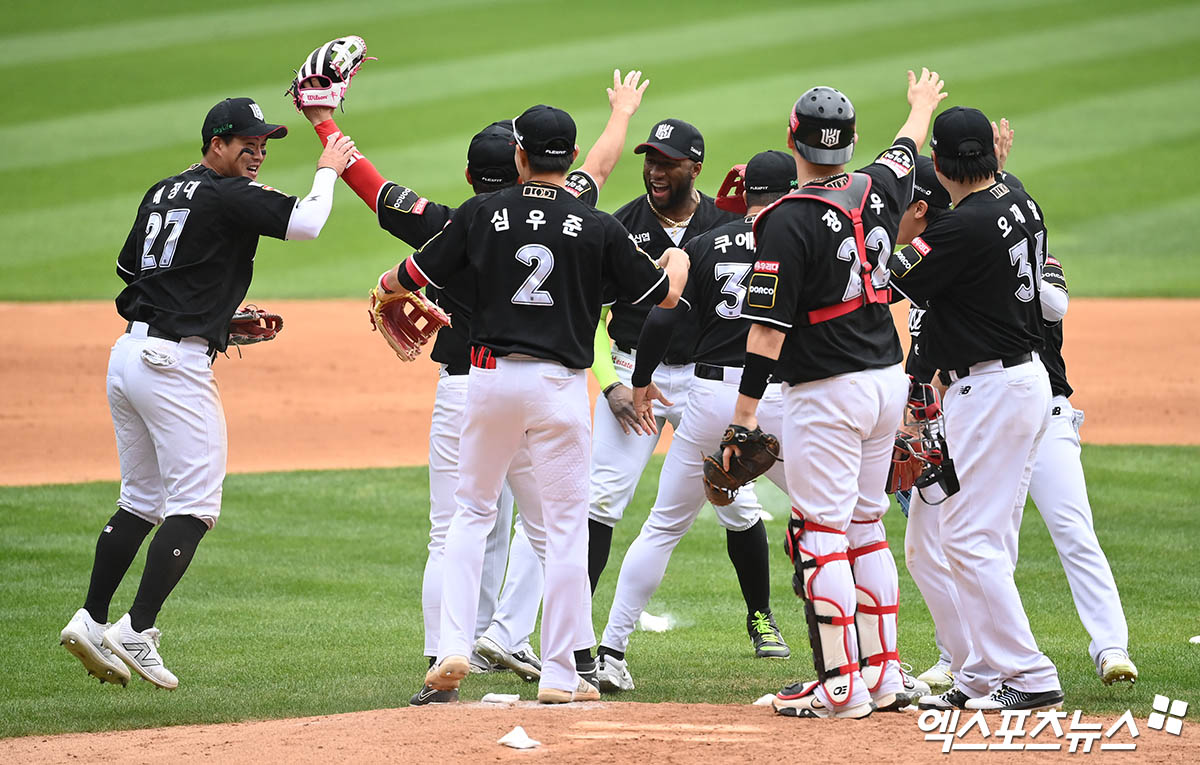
[754, 375]
[610, 387]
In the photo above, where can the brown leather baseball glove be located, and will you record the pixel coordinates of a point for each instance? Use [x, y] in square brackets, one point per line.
[252, 324]
[406, 320]
[756, 453]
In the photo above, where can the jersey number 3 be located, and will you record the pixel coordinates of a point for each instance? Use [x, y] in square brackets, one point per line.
[542, 260]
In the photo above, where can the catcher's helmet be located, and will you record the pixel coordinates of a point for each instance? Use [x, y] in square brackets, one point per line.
[822, 124]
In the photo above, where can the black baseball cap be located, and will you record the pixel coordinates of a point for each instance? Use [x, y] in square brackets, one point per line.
[545, 131]
[238, 116]
[490, 155]
[770, 171]
[926, 186]
[961, 132]
[675, 139]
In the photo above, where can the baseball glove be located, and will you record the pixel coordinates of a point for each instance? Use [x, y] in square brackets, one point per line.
[730, 197]
[908, 462]
[251, 325]
[332, 66]
[757, 452]
[406, 320]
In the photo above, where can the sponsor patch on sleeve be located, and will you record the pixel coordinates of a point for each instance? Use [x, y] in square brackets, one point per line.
[905, 262]
[761, 293]
[581, 186]
[265, 187]
[899, 161]
[921, 246]
[405, 200]
[766, 267]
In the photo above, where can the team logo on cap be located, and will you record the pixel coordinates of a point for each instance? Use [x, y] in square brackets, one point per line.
[257, 110]
[830, 136]
[663, 131]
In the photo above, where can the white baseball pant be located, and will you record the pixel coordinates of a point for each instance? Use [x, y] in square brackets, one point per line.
[546, 404]
[169, 424]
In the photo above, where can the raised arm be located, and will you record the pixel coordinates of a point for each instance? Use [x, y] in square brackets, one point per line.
[625, 96]
[924, 95]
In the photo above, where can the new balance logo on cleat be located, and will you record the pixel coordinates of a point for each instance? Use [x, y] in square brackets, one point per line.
[141, 654]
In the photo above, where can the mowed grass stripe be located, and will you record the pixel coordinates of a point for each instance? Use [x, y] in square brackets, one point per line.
[104, 132]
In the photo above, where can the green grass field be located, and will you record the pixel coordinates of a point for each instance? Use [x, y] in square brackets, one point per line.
[1105, 97]
[306, 600]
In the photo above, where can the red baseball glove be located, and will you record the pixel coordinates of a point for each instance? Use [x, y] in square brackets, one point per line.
[251, 325]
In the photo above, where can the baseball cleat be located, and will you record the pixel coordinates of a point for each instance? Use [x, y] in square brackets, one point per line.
[585, 691]
[84, 638]
[912, 690]
[1008, 698]
[801, 700]
[612, 674]
[765, 634]
[448, 673]
[588, 671]
[481, 666]
[140, 651]
[951, 699]
[430, 695]
[939, 678]
[524, 662]
[1117, 667]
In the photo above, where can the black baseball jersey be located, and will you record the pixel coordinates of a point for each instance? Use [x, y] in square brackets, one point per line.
[625, 324]
[1056, 367]
[917, 364]
[977, 268]
[807, 260]
[542, 259]
[414, 220]
[189, 257]
[721, 263]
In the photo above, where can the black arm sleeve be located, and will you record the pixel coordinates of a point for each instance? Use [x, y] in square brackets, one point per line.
[653, 343]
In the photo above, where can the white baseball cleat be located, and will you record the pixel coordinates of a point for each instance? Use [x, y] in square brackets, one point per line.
[584, 691]
[939, 678]
[908, 695]
[1116, 666]
[801, 700]
[84, 638]
[613, 674]
[448, 673]
[524, 662]
[140, 651]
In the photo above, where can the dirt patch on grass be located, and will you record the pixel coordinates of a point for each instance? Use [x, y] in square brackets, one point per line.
[575, 733]
[329, 394]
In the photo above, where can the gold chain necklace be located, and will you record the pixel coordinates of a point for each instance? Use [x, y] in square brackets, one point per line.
[668, 222]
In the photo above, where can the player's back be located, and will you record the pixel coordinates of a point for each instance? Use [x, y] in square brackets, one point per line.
[539, 255]
[189, 256]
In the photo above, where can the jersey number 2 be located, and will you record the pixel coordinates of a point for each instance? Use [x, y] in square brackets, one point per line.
[175, 219]
[530, 292]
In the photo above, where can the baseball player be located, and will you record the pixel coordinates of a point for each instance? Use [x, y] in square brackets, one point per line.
[187, 265]
[670, 212]
[978, 268]
[503, 628]
[542, 260]
[821, 323]
[1057, 484]
[722, 260]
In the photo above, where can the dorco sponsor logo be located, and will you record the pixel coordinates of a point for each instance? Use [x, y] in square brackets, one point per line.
[762, 290]
[767, 266]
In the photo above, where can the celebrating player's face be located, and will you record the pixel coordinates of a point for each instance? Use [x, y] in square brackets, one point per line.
[249, 153]
[668, 181]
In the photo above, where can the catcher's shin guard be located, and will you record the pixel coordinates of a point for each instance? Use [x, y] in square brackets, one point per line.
[824, 582]
[877, 593]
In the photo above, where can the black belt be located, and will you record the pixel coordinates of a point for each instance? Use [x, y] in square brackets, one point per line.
[713, 372]
[158, 333]
[458, 369]
[1011, 361]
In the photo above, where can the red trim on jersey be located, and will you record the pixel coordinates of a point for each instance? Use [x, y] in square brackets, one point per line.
[414, 273]
[360, 175]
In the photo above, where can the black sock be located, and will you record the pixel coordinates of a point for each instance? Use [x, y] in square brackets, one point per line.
[583, 658]
[116, 548]
[606, 651]
[599, 545]
[170, 552]
[748, 553]
[432, 661]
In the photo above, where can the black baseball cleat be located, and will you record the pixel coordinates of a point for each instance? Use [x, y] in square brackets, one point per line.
[431, 695]
[1008, 698]
[588, 671]
[765, 634]
[951, 699]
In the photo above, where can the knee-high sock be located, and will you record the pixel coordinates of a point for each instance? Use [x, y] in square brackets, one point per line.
[116, 548]
[170, 552]
[750, 557]
[599, 546]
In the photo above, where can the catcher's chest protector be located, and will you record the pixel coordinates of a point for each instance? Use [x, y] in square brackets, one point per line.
[848, 200]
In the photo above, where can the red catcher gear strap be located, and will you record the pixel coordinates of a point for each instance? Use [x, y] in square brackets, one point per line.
[850, 201]
[854, 552]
